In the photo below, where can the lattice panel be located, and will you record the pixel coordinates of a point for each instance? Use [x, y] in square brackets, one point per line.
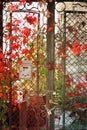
[71, 59]
[76, 41]
[24, 38]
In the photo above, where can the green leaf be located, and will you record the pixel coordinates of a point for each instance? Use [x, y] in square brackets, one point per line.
[43, 71]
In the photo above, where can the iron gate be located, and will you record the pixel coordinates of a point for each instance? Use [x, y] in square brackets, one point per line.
[71, 64]
[24, 47]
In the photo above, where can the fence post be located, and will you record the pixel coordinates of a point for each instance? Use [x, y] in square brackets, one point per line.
[50, 59]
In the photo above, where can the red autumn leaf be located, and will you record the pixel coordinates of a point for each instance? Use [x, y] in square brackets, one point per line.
[14, 94]
[76, 44]
[13, 38]
[69, 94]
[1, 56]
[72, 94]
[22, 0]
[40, 55]
[33, 74]
[25, 51]
[67, 85]
[78, 86]
[84, 84]
[19, 62]
[8, 26]
[84, 105]
[77, 105]
[21, 3]
[1, 67]
[80, 105]
[25, 40]
[36, 62]
[26, 31]
[84, 46]
[31, 19]
[76, 93]
[19, 106]
[1, 95]
[76, 51]
[8, 64]
[14, 101]
[15, 29]
[14, 55]
[50, 1]
[76, 48]
[15, 46]
[28, 57]
[68, 81]
[13, 7]
[64, 55]
[50, 29]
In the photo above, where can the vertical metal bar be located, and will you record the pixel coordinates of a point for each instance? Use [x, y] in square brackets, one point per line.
[10, 85]
[1, 23]
[64, 71]
[50, 58]
[38, 36]
[10, 106]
